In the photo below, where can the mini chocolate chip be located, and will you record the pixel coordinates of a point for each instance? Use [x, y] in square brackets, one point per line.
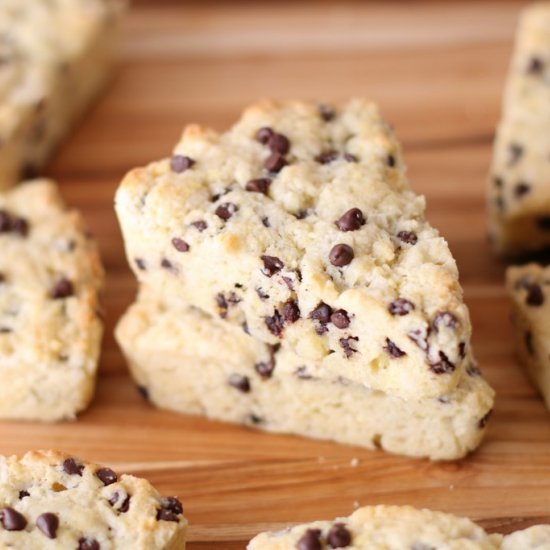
[339, 536]
[393, 350]
[341, 255]
[170, 509]
[85, 543]
[390, 161]
[348, 157]
[521, 189]
[322, 313]
[222, 305]
[484, 419]
[20, 226]
[63, 288]
[340, 319]
[535, 296]
[346, 344]
[275, 324]
[291, 312]
[326, 157]
[279, 143]
[310, 540]
[272, 265]
[106, 476]
[444, 319]
[48, 524]
[535, 66]
[143, 391]
[180, 245]
[240, 382]
[23, 494]
[173, 504]
[246, 330]
[72, 467]
[263, 135]
[275, 163]
[181, 163]
[498, 182]
[265, 368]
[12, 520]
[200, 225]
[462, 350]
[140, 264]
[125, 506]
[327, 113]
[443, 366]
[258, 185]
[226, 210]
[407, 237]
[301, 214]
[166, 515]
[401, 307]
[5, 221]
[266, 222]
[515, 152]
[543, 223]
[351, 221]
[166, 264]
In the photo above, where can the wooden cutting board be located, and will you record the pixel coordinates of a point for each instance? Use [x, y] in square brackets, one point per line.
[437, 69]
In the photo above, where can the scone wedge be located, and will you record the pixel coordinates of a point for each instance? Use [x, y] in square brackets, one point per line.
[298, 224]
[528, 287]
[187, 361]
[52, 500]
[55, 57]
[519, 194]
[399, 528]
[50, 317]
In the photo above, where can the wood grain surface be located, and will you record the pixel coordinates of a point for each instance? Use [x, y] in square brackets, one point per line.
[437, 70]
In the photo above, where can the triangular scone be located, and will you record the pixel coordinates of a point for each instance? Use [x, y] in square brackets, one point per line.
[299, 224]
[399, 528]
[187, 361]
[53, 500]
[529, 290]
[50, 318]
[519, 195]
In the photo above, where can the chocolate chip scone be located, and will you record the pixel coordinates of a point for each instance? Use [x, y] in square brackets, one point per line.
[190, 362]
[298, 224]
[533, 538]
[54, 57]
[519, 196]
[383, 528]
[50, 325]
[51, 500]
[529, 290]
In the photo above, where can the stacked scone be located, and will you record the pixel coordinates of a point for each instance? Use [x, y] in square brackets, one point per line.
[290, 281]
[519, 194]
